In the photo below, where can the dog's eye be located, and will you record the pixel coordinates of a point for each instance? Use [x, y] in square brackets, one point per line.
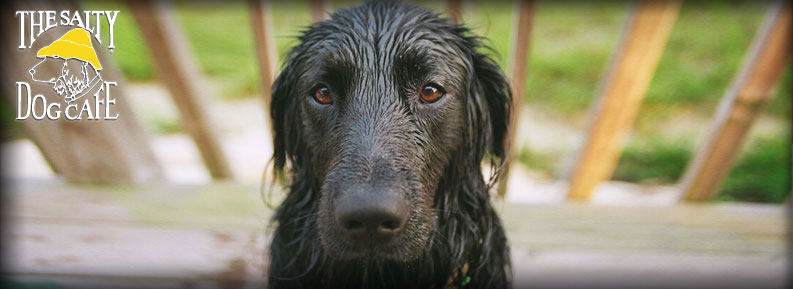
[431, 93]
[322, 95]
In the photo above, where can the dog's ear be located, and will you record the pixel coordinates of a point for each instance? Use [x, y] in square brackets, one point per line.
[491, 105]
[285, 116]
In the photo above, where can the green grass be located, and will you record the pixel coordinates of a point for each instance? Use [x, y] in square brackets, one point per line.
[781, 105]
[165, 125]
[761, 173]
[538, 161]
[703, 52]
[222, 40]
[492, 20]
[130, 55]
[571, 47]
[10, 127]
[653, 160]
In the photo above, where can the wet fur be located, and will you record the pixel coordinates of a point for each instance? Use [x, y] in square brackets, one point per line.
[373, 55]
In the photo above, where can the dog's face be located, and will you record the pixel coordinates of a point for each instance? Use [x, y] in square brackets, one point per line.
[73, 79]
[374, 105]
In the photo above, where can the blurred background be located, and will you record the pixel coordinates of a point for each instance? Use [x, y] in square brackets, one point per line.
[571, 46]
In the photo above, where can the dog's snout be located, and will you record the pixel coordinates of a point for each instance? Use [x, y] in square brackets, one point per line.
[371, 218]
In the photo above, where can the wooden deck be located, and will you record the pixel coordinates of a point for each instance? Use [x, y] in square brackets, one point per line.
[214, 237]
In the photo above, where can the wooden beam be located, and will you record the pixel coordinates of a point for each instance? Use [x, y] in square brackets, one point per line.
[261, 22]
[625, 85]
[81, 151]
[320, 10]
[175, 67]
[741, 105]
[518, 68]
[197, 248]
[454, 10]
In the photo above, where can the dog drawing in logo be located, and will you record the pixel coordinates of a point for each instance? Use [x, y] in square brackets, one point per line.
[79, 73]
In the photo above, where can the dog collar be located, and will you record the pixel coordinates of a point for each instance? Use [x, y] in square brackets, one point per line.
[465, 280]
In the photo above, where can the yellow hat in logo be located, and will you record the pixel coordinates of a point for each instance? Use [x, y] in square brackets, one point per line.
[74, 44]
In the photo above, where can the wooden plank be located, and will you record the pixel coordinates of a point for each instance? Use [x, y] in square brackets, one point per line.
[176, 68]
[84, 151]
[665, 243]
[111, 240]
[90, 254]
[741, 105]
[261, 22]
[454, 10]
[320, 10]
[518, 68]
[621, 96]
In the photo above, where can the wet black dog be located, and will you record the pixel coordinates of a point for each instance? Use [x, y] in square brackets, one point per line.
[384, 113]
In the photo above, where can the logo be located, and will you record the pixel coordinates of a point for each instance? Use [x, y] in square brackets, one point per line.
[80, 72]
[69, 67]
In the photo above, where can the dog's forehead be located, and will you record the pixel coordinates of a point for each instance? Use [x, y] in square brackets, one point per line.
[376, 34]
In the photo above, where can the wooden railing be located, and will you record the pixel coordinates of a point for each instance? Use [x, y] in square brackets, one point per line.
[626, 82]
[177, 69]
[611, 118]
[741, 105]
[629, 77]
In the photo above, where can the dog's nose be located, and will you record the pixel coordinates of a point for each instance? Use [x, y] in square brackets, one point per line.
[371, 218]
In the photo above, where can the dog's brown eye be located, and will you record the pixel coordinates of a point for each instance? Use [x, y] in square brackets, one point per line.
[431, 93]
[322, 95]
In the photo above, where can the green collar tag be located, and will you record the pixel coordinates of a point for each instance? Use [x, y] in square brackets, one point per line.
[465, 281]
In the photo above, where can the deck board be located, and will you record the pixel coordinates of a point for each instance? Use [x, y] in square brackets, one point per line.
[213, 236]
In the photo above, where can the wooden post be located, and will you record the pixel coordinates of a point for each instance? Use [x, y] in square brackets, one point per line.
[320, 10]
[81, 151]
[174, 65]
[518, 69]
[741, 105]
[622, 93]
[454, 10]
[261, 22]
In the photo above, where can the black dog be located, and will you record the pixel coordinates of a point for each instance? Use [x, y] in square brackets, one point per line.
[385, 113]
